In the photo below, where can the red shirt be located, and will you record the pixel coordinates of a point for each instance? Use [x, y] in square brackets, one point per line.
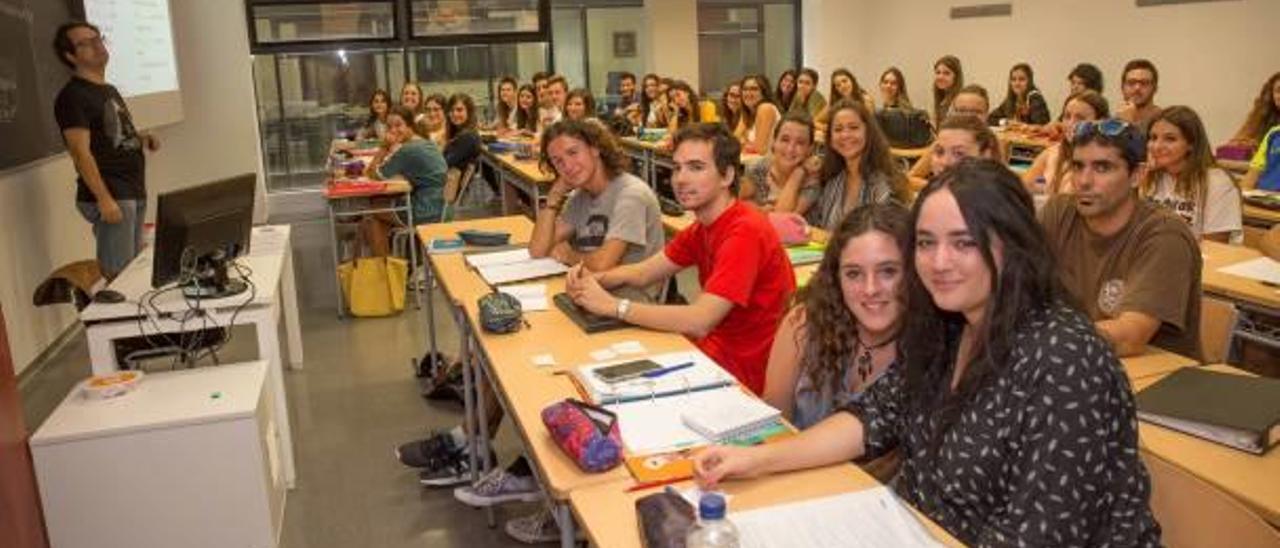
[740, 259]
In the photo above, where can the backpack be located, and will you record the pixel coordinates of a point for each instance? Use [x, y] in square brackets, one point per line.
[905, 128]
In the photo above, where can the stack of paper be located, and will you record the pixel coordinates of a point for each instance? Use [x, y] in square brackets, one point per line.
[1262, 269]
[872, 518]
[513, 265]
[729, 414]
[704, 374]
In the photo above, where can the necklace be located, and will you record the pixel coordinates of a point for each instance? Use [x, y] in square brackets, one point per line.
[862, 365]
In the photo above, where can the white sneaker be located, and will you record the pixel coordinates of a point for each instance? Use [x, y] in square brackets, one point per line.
[498, 487]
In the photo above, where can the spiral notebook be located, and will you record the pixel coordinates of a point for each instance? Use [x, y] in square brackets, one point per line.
[730, 414]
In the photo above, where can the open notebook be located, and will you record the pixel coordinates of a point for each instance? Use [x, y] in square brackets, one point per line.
[683, 420]
[704, 374]
[514, 265]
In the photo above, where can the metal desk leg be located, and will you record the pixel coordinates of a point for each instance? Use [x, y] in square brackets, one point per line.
[468, 392]
[564, 518]
[482, 418]
[429, 280]
[413, 250]
[337, 261]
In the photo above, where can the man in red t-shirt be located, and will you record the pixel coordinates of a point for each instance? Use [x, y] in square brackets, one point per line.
[745, 274]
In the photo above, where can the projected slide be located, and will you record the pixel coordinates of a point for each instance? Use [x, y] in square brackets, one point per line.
[140, 39]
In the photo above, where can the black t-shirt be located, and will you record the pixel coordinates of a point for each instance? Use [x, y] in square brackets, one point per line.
[113, 141]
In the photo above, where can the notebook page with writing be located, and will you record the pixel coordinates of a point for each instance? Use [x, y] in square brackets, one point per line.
[704, 373]
[870, 518]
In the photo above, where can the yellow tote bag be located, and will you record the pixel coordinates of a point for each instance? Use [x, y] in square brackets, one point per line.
[374, 286]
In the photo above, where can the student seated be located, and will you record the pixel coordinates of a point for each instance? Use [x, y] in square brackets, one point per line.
[959, 136]
[580, 105]
[508, 104]
[1015, 423]
[551, 108]
[1023, 103]
[1085, 76]
[1133, 267]
[411, 98]
[858, 168]
[893, 89]
[786, 179]
[1264, 168]
[730, 107]
[1264, 115]
[652, 109]
[948, 81]
[1050, 173]
[527, 110]
[375, 126]
[758, 114]
[808, 100]
[462, 141]
[1183, 178]
[405, 155]
[844, 87]
[786, 91]
[596, 214]
[683, 108]
[745, 274]
[970, 101]
[842, 335]
[432, 125]
[1138, 85]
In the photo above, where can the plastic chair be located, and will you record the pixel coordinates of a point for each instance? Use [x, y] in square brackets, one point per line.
[1193, 513]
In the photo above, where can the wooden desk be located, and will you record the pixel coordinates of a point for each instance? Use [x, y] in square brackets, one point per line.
[1260, 216]
[1242, 290]
[1253, 479]
[1154, 363]
[909, 154]
[524, 176]
[607, 512]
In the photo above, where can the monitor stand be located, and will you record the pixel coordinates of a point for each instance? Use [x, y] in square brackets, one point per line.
[212, 281]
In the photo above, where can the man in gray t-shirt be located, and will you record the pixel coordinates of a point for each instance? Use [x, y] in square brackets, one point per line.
[596, 213]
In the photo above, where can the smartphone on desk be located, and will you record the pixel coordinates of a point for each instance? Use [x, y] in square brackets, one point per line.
[626, 371]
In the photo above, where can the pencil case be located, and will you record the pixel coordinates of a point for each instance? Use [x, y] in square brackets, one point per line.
[588, 434]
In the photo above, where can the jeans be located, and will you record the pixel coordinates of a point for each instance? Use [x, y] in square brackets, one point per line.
[117, 243]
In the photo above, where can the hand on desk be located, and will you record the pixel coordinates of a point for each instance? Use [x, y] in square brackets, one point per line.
[584, 287]
[720, 462]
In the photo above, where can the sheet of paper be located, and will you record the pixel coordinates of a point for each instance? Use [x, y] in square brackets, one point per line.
[704, 372]
[532, 297]
[654, 426]
[544, 360]
[628, 347]
[525, 270]
[1262, 269]
[603, 354]
[868, 518]
[477, 260]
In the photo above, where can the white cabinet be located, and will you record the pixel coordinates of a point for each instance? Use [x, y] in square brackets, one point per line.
[190, 458]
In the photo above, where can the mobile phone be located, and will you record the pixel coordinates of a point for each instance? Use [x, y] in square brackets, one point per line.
[626, 371]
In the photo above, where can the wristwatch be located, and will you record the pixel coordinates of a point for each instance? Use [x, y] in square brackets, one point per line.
[624, 306]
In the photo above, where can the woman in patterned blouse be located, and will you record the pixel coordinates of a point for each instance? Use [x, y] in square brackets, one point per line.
[1014, 418]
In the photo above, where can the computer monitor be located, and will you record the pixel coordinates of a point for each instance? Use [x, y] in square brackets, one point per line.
[199, 230]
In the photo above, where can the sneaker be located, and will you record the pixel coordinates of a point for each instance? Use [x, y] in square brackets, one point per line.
[427, 453]
[498, 487]
[535, 528]
[449, 471]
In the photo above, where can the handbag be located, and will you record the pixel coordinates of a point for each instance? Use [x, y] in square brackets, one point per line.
[905, 128]
[588, 434]
[374, 286]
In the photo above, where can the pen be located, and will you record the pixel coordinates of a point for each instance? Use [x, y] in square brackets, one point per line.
[663, 371]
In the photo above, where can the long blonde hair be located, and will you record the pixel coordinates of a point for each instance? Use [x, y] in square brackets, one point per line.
[1193, 182]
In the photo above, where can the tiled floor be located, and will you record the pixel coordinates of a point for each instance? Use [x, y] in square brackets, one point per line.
[354, 401]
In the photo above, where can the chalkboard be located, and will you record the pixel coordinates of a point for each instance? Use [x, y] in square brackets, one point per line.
[30, 77]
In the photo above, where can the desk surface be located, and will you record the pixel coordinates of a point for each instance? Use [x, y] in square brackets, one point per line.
[1154, 363]
[1217, 255]
[265, 259]
[1261, 215]
[528, 170]
[910, 153]
[607, 512]
[389, 187]
[1253, 479]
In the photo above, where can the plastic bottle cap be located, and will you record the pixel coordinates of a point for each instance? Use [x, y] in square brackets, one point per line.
[711, 506]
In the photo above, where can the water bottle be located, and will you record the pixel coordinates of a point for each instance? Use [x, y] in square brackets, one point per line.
[712, 529]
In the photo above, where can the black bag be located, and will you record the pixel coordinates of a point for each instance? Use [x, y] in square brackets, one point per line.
[500, 313]
[664, 519]
[905, 128]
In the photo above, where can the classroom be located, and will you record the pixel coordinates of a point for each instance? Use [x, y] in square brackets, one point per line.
[400, 273]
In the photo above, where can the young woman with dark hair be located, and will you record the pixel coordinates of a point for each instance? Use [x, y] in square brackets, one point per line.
[650, 102]
[1015, 421]
[730, 108]
[432, 123]
[786, 91]
[808, 99]
[508, 104]
[375, 126]
[858, 168]
[844, 87]
[462, 141]
[759, 114]
[842, 335]
[405, 155]
[683, 106]
[1183, 177]
[1050, 173]
[1264, 115]
[893, 89]
[1023, 102]
[580, 105]
[786, 179]
[1085, 76]
[527, 109]
[948, 78]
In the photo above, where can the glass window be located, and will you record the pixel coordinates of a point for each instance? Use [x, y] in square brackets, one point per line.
[731, 42]
[451, 17]
[325, 21]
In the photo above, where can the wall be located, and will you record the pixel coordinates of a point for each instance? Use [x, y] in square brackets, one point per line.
[672, 30]
[217, 138]
[602, 23]
[1210, 55]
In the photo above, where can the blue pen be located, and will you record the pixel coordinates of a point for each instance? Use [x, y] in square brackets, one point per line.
[671, 369]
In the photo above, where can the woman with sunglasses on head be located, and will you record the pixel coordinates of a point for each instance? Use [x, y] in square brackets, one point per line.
[786, 179]
[1015, 420]
[1183, 177]
[858, 168]
[759, 114]
[842, 335]
[1023, 103]
[808, 99]
[1050, 173]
